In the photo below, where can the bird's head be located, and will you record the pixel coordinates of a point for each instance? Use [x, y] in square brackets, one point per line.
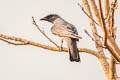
[50, 18]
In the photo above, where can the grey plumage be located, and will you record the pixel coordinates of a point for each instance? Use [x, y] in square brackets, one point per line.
[73, 50]
[67, 31]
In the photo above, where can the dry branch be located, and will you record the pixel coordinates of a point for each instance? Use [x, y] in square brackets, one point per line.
[107, 7]
[12, 42]
[103, 24]
[112, 63]
[87, 14]
[107, 28]
[34, 22]
[103, 60]
[45, 46]
[112, 11]
[112, 69]
[93, 38]
[111, 42]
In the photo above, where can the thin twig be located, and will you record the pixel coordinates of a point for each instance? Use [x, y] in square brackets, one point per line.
[89, 35]
[103, 24]
[34, 22]
[99, 36]
[87, 14]
[93, 38]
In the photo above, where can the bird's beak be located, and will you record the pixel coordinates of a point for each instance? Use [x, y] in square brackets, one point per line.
[43, 18]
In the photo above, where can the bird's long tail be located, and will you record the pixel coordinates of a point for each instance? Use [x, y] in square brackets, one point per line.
[73, 50]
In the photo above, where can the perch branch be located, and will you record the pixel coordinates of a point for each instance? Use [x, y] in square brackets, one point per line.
[34, 22]
[45, 46]
[12, 42]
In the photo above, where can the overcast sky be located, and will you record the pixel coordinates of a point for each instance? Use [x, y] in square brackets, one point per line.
[34, 63]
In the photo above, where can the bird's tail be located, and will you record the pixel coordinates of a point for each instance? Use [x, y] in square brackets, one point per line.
[73, 50]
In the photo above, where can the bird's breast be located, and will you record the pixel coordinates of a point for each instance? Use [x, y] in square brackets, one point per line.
[53, 30]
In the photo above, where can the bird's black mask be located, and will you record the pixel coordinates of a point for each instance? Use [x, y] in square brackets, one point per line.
[50, 18]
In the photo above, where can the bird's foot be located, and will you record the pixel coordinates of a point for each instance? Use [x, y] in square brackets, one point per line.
[60, 48]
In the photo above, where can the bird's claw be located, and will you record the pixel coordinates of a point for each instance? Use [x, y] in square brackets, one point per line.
[60, 49]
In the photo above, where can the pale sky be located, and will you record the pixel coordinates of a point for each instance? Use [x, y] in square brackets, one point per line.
[34, 63]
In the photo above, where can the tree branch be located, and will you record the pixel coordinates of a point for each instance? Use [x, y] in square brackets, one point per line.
[87, 14]
[34, 22]
[107, 7]
[103, 24]
[27, 42]
[103, 60]
[12, 42]
[93, 38]
[111, 42]
[112, 63]
[112, 69]
[112, 11]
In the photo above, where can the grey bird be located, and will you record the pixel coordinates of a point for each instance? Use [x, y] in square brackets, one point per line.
[67, 32]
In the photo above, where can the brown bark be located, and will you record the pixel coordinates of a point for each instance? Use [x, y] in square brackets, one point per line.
[99, 47]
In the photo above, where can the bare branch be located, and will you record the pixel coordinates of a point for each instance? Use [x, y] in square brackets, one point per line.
[87, 14]
[107, 7]
[112, 46]
[113, 5]
[103, 24]
[99, 36]
[112, 11]
[111, 42]
[89, 35]
[112, 69]
[113, 52]
[12, 42]
[103, 60]
[44, 46]
[93, 38]
[34, 22]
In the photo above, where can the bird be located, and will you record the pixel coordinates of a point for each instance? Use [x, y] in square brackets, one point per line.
[66, 31]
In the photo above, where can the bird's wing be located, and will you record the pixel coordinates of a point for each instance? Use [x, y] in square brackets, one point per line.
[65, 30]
